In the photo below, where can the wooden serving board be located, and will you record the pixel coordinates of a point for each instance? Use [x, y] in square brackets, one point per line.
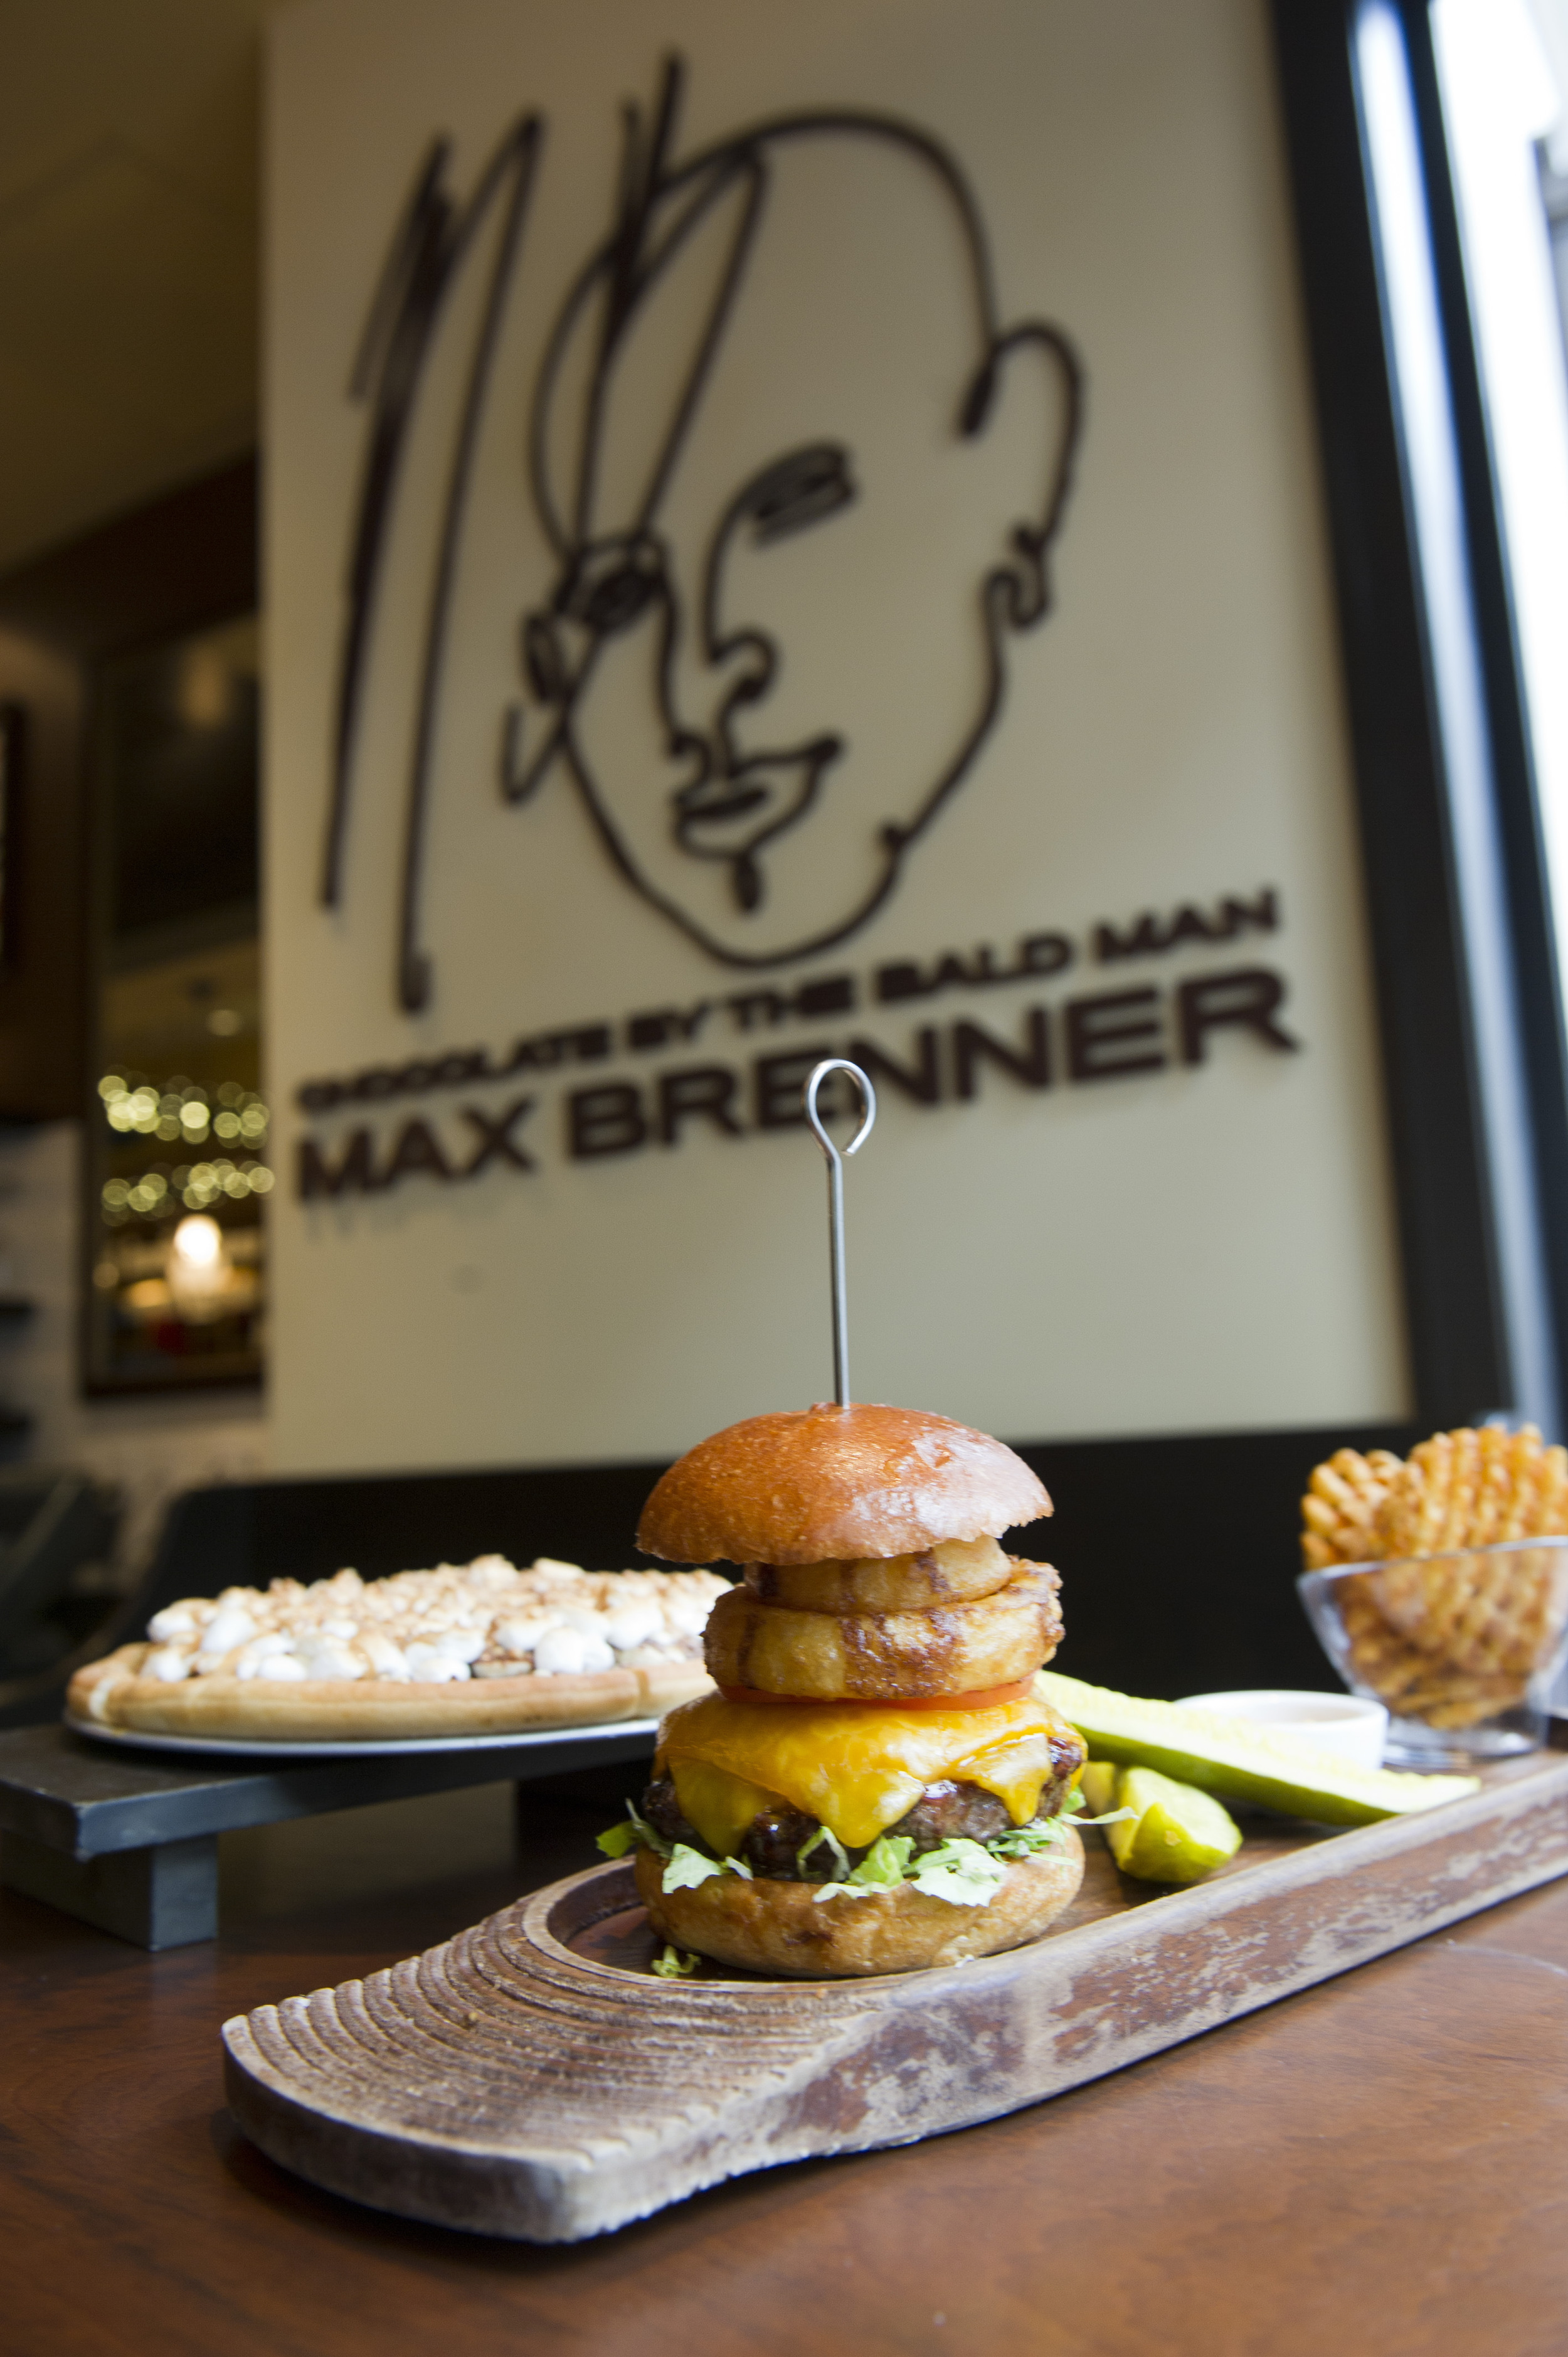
[533, 2078]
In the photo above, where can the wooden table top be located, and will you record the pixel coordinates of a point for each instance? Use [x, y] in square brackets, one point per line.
[1379, 2165]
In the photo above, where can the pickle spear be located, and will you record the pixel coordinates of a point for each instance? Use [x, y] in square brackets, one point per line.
[1098, 1785]
[1176, 1835]
[1231, 1756]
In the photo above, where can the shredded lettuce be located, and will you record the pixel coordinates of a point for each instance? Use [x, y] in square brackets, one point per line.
[840, 1854]
[884, 1864]
[636, 1832]
[1073, 1804]
[688, 1868]
[675, 1965]
[883, 1867]
[1045, 1832]
[1026, 1841]
[962, 1872]
[647, 1834]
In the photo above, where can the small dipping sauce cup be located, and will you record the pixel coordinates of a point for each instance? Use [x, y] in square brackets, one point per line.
[1348, 1726]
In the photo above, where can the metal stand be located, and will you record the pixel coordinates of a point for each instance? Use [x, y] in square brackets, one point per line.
[128, 1840]
[157, 1898]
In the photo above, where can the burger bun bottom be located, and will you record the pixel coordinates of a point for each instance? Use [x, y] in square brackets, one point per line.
[778, 1928]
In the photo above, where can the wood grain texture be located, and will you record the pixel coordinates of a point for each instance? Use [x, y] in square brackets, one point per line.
[1373, 2165]
[507, 2082]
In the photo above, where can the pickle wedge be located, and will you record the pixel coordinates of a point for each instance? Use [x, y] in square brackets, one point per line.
[1178, 1835]
[1231, 1756]
[1098, 1785]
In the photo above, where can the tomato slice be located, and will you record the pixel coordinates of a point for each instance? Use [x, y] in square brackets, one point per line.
[986, 1699]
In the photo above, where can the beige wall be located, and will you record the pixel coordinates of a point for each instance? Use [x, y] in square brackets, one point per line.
[1203, 1247]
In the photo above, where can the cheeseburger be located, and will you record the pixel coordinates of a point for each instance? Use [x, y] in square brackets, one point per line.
[874, 1787]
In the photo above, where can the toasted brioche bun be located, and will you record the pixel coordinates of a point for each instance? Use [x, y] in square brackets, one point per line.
[951, 1572]
[834, 1484]
[780, 1929]
[955, 1649]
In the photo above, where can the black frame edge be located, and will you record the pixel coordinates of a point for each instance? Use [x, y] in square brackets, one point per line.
[1457, 1336]
[1533, 932]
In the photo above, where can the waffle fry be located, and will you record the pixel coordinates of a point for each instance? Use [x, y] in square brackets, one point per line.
[1410, 1682]
[1340, 1507]
[1472, 1489]
[1483, 1615]
[1454, 1640]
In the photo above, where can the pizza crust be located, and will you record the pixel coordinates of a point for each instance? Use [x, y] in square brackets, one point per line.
[113, 1693]
[484, 1648]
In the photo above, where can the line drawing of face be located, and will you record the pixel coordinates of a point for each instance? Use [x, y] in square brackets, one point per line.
[798, 486]
[766, 672]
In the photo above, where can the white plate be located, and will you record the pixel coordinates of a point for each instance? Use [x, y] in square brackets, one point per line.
[235, 1747]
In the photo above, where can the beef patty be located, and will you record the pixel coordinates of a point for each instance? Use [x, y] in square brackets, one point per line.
[773, 1843]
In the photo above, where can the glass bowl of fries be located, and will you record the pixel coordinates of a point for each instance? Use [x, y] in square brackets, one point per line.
[1462, 1647]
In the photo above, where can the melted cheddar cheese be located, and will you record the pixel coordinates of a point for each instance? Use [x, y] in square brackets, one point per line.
[856, 1767]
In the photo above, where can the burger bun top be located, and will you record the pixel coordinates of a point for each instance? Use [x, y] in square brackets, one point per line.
[837, 1484]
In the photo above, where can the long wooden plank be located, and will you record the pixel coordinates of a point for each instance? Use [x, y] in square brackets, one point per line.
[521, 2080]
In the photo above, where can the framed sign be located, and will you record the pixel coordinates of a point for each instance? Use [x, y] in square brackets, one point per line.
[785, 541]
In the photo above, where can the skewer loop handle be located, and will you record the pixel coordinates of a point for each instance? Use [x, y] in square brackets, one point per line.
[835, 1161]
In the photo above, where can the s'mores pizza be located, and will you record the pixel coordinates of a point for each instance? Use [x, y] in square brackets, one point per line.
[470, 1649]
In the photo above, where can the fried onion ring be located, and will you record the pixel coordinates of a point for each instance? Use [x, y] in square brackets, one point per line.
[955, 1572]
[883, 1656]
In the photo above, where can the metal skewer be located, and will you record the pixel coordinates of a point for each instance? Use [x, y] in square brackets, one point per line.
[835, 1201]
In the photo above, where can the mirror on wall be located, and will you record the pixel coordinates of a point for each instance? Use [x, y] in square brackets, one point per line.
[177, 1163]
